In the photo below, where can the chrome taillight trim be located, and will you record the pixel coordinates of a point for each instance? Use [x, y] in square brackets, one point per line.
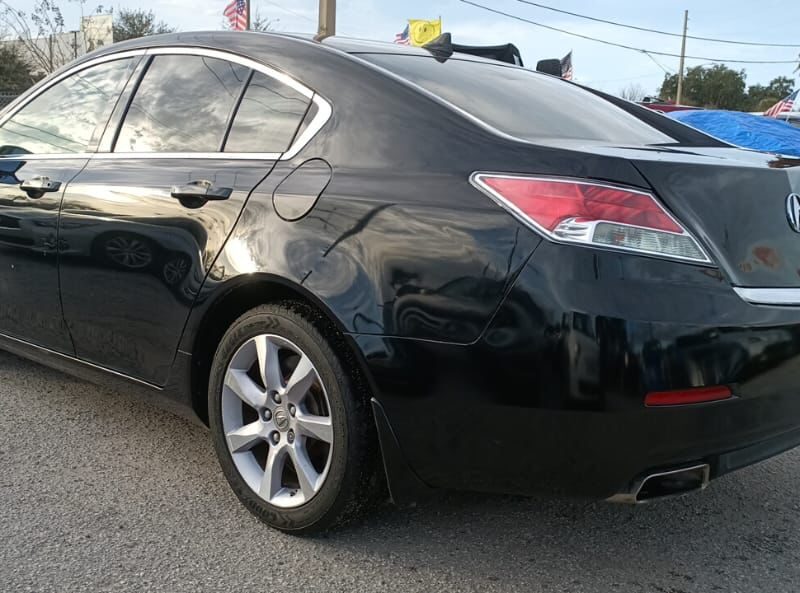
[476, 179]
[769, 296]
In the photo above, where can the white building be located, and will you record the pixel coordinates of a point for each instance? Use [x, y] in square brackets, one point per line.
[46, 54]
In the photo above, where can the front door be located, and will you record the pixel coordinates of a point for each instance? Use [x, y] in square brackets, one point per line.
[44, 144]
[142, 225]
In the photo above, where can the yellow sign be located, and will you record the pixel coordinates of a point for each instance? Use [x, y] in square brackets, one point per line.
[421, 32]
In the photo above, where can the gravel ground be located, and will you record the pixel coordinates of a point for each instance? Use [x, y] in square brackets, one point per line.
[101, 492]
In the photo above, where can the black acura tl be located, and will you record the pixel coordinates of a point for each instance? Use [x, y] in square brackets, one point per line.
[364, 264]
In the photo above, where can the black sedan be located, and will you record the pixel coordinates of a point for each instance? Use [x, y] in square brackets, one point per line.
[364, 265]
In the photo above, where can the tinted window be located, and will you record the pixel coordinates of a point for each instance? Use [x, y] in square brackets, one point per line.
[268, 117]
[182, 105]
[64, 117]
[520, 102]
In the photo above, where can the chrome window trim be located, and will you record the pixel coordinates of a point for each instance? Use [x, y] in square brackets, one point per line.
[324, 108]
[324, 112]
[234, 156]
[769, 296]
[47, 157]
[15, 107]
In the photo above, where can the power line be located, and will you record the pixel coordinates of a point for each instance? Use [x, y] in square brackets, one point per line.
[657, 31]
[623, 46]
[290, 11]
[659, 64]
[590, 82]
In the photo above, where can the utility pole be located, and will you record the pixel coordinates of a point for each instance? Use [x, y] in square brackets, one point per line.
[248, 15]
[327, 19]
[683, 54]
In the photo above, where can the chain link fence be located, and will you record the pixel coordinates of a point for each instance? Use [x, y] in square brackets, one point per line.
[6, 98]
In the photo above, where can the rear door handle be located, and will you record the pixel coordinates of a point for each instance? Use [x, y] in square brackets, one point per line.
[205, 190]
[36, 186]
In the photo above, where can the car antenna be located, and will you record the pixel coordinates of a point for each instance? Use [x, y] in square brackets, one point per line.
[441, 48]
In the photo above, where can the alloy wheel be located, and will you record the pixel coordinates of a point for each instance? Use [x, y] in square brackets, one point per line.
[129, 252]
[276, 421]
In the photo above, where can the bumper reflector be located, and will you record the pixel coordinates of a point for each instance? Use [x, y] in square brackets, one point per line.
[697, 395]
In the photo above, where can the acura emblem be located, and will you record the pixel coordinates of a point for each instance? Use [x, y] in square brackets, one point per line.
[281, 419]
[793, 211]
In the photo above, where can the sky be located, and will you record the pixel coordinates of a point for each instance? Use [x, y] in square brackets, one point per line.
[601, 66]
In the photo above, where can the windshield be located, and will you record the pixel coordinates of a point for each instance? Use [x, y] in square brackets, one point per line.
[520, 102]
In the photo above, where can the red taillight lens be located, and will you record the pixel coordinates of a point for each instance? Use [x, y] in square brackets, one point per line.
[681, 397]
[592, 213]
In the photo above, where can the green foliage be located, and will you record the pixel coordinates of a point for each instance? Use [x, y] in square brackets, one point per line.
[15, 72]
[762, 97]
[717, 86]
[262, 23]
[720, 87]
[135, 23]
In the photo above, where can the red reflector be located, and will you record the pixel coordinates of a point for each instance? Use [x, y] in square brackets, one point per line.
[548, 202]
[697, 395]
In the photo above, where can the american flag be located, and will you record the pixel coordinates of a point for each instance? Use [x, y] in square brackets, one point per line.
[783, 106]
[236, 13]
[402, 38]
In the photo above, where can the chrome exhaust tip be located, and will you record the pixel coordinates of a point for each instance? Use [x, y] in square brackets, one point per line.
[666, 484]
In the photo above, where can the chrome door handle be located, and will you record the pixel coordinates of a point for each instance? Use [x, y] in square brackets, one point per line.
[202, 189]
[39, 185]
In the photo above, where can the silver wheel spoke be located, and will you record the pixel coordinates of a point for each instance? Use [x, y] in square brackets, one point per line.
[288, 421]
[317, 427]
[269, 363]
[307, 476]
[271, 484]
[246, 437]
[300, 382]
[245, 389]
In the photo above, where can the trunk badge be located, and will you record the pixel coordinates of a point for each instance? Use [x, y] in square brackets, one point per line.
[793, 211]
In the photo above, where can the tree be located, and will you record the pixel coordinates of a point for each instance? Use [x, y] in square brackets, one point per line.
[262, 23]
[135, 23]
[633, 92]
[15, 72]
[761, 98]
[716, 87]
[37, 34]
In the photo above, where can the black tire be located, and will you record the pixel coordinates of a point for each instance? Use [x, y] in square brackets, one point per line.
[352, 479]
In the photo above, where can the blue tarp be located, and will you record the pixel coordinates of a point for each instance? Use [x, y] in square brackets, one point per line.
[742, 129]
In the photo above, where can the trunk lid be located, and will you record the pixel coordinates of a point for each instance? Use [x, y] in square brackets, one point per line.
[733, 200]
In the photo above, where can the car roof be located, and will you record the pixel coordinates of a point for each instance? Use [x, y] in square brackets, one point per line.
[247, 41]
[200, 38]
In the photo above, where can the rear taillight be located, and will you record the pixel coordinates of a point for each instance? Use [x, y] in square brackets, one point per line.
[591, 213]
[696, 395]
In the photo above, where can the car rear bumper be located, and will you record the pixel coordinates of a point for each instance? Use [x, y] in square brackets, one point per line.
[551, 398]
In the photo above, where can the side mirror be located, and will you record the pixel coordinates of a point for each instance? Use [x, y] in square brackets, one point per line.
[549, 67]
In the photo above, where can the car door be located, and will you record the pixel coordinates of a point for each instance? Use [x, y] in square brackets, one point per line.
[44, 143]
[144, 222]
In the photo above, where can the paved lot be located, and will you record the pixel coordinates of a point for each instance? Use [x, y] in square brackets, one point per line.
[101, 492]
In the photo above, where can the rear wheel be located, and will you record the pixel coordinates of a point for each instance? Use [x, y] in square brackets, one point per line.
[291, 429]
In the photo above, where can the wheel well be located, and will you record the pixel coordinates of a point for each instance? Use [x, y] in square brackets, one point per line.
[232, 305]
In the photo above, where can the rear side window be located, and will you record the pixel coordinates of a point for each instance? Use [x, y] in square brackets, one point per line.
[268, 116]
[520, 102]
[182, 105]
[64, 118]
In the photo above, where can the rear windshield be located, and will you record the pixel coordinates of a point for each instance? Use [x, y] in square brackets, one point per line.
[520, 102]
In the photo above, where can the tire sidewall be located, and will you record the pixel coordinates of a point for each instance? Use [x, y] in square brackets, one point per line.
[324, 506]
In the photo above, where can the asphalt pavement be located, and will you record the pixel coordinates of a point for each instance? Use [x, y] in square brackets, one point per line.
[102, 492]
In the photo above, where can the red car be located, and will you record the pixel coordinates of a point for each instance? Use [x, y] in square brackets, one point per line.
[658, 104]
